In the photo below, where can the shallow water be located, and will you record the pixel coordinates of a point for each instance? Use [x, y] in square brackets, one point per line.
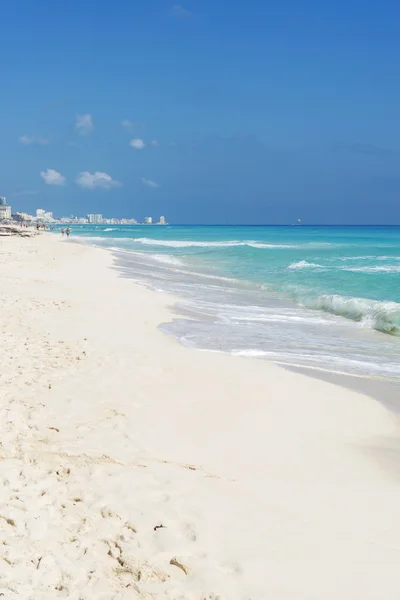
[320, 297]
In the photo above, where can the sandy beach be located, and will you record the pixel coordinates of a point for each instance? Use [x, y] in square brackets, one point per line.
[132, 467]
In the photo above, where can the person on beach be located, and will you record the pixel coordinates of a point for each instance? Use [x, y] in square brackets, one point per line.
[68, 231]
[62, 231]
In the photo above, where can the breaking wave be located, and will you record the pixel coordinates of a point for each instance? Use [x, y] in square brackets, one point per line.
[382, 316]
[228, 244]
[368, 257]
[196, 244]
[381, 269]
[303, 264]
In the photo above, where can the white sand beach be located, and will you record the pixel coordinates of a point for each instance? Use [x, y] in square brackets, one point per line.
[132, 467]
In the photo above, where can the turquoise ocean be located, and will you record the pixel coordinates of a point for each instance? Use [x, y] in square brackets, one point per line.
[323, 297]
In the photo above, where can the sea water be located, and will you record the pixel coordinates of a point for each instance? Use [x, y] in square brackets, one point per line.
[320, 297]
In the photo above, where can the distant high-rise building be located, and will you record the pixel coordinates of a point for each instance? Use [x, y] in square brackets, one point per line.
[162, 221]
[95, 219]
[22, 217]
[148, 220]
[5, 209]
[42, 215]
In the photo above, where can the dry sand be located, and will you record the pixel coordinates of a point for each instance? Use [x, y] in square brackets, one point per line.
[132, 467]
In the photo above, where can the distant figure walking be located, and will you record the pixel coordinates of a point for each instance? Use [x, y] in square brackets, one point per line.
[68, 231]
[38, 226]
[62, 231]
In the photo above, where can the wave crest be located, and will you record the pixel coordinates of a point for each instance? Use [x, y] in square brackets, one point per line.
[214, 244]
[381, 269]
[382, 316]
[303, 264]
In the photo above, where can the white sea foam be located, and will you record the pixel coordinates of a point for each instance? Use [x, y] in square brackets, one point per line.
[261, 245]
[167, 259]
[228, 244]
[250, 353]
[213, 244]
[380, 269]
[217, 277]
[209, 244]
[173, 261]
[97, 238]
[242, 313]
[184, 243]
[367, 257]
[327, 363]
[303, 264]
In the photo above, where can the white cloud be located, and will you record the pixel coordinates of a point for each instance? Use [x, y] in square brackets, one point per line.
[154, 143]
[31, 139]
[98, 179]
[128, 125]
[26, 139]
[149, 183]
[52, 177]
[180, 12]
[137, 143]
[84, 124]
[26, 193]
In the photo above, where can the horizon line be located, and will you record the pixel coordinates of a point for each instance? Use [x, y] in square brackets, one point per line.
[246, 224]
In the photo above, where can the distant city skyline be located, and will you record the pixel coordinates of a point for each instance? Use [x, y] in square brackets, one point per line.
[258, 114]
[47, 217]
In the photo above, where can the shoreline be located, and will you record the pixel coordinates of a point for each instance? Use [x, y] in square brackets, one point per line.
[132, 467]
[222, 314]
[383, 389]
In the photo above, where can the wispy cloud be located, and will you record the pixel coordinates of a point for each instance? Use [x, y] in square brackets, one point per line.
[361, 148]
[137, 143]
[95, 180]
[128, 125]
[154, 143]
[84, 124]
[180, 12]
[52, 177]
[26, 139]
[26, 193]
[31, 139]
[150, 183]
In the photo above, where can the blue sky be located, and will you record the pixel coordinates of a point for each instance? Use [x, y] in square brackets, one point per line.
[207, 112]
